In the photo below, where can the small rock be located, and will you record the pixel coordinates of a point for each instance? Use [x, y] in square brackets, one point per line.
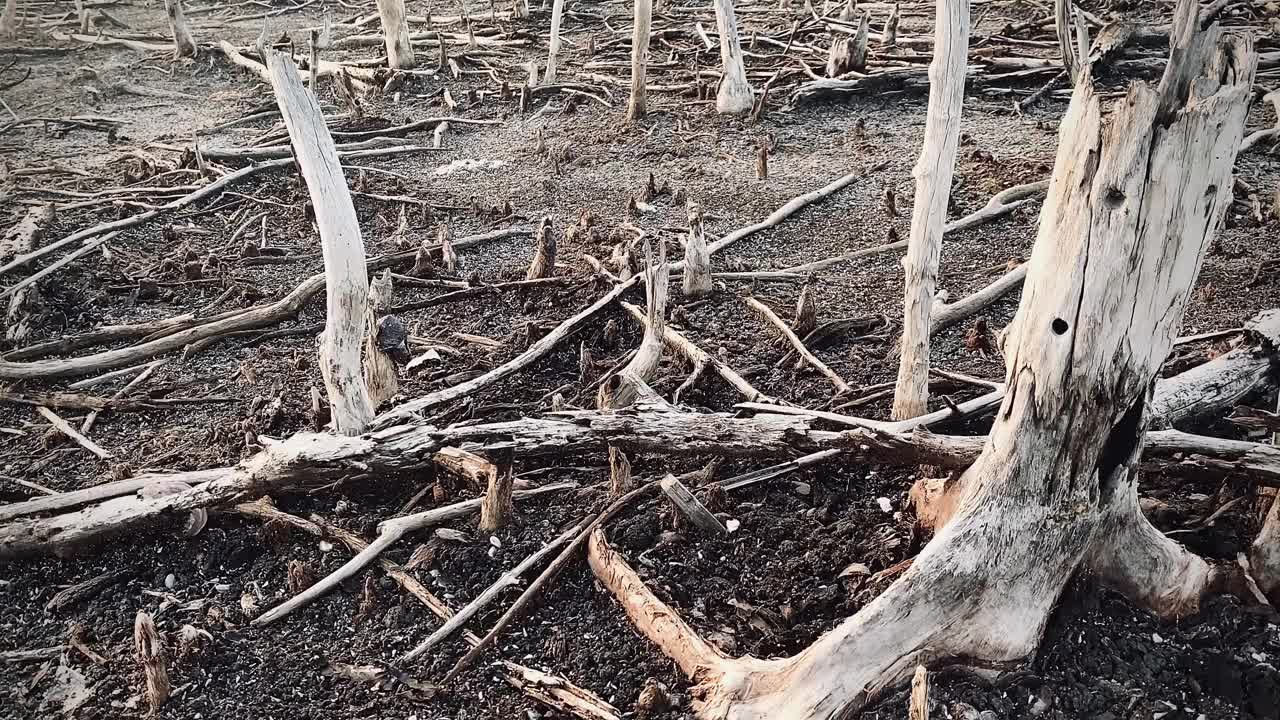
[964, 711]
[885, 505]
[170, 581]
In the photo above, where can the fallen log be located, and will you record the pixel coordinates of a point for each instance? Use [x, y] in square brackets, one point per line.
[306, 460]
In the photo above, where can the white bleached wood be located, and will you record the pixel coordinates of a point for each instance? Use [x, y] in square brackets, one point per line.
[553, 54]
[639, 58]
[346, 284]
[1131, 209]
[183, 44]
[735, 96]
[933, 174]
[395, 32]
[697, 258]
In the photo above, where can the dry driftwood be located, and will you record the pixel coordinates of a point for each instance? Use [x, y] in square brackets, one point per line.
[699, 357]
[23, 237]
[689, 506]
[508, 579]
[933, 173]
[553, 51]
[346, 281]
[395, 31]
[632, 381]
[389, 532]
[1025, 526]
[555, 692]
[768, 314]
[697, 259]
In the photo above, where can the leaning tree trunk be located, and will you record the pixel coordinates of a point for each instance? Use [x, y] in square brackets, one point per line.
[639, 58]
[346, 281]
[929, 215]
[734, 97]
[1130, 211]
[395, 32]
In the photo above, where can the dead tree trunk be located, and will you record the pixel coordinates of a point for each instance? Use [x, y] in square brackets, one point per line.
[346, 282]
[735, 96]
[395, 32]
[553, 54]
[183, 44]
[1130, 212]
[9, 22]
[639, 58]
[929, 215]
[697, 259]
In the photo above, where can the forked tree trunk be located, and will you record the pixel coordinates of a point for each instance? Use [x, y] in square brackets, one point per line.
[734, 97]
[557, 13]
[639, 58]
[346, 281]
[1130, 211]
[929, 215]
[183, 44]
[395, 32]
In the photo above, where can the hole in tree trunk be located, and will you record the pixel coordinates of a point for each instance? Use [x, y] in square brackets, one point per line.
[1114, 198]
[1059, 326]
[1121, 445]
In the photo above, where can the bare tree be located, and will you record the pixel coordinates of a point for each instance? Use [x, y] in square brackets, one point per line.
[639, 58]
[1135, 199]
[395, 32]
[929, 215]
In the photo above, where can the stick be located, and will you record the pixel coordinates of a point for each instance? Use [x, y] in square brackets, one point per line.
[142, 377]
[88, 247]
[213, 188]
[954, 312]
[105, 491]
[554, 691]
[552, 570]
[508, 579]
[570, 326]
[632, 380]
[346, 281]
[691, 507]
[65, 428]
[389, 532]
[841, 386]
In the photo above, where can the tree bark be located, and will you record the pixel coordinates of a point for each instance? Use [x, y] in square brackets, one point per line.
[553, 54]
[9, 21]
[639, 58]
[346, 284]
[183, 44]
[395, 32]
[929, 215]
[697, 259]
[735, 96]
[380, 375]
[1130, 213]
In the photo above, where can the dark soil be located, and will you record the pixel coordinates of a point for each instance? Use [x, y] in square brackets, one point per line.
[778, 582]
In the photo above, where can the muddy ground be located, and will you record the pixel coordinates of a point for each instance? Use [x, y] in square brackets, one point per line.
[769, 589]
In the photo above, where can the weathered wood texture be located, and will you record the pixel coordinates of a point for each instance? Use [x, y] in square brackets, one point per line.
[346, 284]
[395, 32]
[643, 19]
[1131, 209]
[735, 96]
[933, 173]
